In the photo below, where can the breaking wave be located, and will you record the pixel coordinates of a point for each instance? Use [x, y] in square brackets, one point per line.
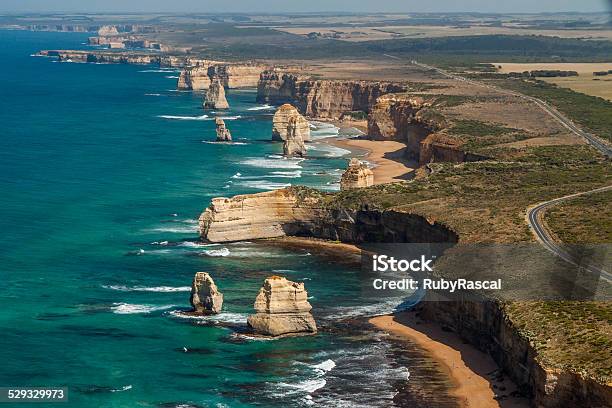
[216, 252]
[263, 185]
[223, 317]
[124, 288]
[274, 162]
[128, 308]
[321, 130]
[173, 117]
[262, 107]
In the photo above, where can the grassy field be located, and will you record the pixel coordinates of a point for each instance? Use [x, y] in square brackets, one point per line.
[586, 219]
[585, 82]
[591, 112]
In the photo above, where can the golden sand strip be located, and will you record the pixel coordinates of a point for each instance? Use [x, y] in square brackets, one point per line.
[468, 367]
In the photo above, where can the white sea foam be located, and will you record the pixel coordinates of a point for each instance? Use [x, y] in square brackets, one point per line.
[264, 185]
[223, 317]
[274, 162]
[124, 288]
[274, 174]
[161, 70]
[124, 388]
[196, 244]
[230, 117]
[328, 150]
[375, 309]
[128, 308]
[152, 94]
[217, 252]
[171, 76]
[322, 130]
[224, 143]
[325, 366]
[176, 229]
[262, 107]
[174, 117]
[308, 386]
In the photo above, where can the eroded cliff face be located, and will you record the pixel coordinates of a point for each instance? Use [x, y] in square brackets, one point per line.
[486, 326]
[291, 212]
[104, 57]
[413, 121]
[198, 77]
[321, 98]
[252, 216]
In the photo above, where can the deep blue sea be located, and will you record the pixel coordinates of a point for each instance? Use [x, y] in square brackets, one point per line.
[104, 170]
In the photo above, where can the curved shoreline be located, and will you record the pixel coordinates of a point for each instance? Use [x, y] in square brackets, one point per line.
[473, 372]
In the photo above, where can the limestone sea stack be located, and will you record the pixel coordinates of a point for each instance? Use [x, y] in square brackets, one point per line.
[215, 96]
[293, 145]
[280, 123]
[282, 308]
[223, 133]
[205, 296]
[357, 175]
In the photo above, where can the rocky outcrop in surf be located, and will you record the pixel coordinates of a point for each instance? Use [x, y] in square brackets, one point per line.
[293, 144]
[357, 175]
[280, 123]
[215, 96]
[223, 133]
[205, 296]
[281, 309]
[321, 98]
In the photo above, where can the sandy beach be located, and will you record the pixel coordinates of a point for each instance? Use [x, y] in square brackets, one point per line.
[390, 164]
[473, 372]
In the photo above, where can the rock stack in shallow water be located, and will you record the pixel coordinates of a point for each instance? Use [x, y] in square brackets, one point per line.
[282, 308]
[205, 296]
[215, 96]
[281, 120]
[357, 175]
[223, 133]
[293, 145]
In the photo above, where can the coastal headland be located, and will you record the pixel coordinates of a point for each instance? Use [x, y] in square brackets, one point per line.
[455, 161]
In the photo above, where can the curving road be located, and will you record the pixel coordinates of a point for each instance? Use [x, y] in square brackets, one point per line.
[594, 141]
[535, 220]
[536, 212]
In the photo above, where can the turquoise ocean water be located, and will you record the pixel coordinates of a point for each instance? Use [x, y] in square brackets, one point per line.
[104, 170]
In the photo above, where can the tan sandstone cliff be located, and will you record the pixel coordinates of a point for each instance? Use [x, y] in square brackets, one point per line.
[239, 75]
[282, 308]
[281, 119]
[215, 96]
[414, 121]
[321, 98]
[252, 216]
[293, 145]
[223, 133]
[205, 296]
[357, 175]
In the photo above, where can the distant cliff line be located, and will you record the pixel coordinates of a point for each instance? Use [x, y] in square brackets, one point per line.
[392, 109]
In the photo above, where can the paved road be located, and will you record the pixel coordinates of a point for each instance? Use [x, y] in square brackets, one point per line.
[536, 222]
[535, 213]
[551, 111]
